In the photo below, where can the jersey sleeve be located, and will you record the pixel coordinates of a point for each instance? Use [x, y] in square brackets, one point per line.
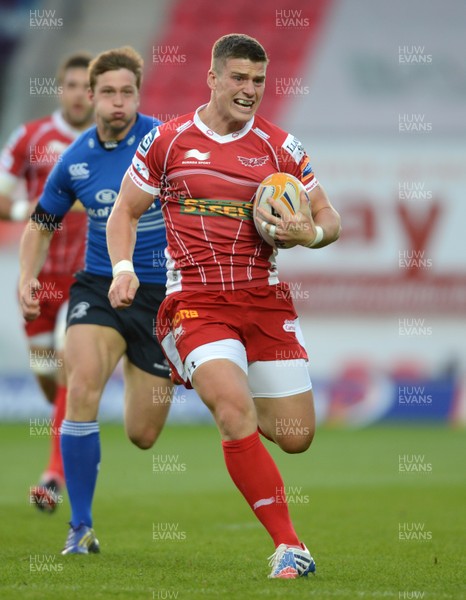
[144, 170]
[293, 159]
[58, 195]
[14, 157]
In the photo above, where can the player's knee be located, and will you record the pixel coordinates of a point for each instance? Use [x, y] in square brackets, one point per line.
[142, 442]
[82, 396]
[232, 418]
[143, 439]
[295, 444]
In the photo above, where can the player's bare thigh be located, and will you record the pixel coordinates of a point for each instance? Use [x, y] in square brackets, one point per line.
[91, 355]
[223, 387]
[147, 402]
[282, 391]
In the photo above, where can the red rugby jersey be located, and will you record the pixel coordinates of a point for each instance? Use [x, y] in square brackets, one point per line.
[30, 155]
[207, 184]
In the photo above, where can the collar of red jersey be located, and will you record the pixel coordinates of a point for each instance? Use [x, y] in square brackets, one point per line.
[222, 139]
[63, 126]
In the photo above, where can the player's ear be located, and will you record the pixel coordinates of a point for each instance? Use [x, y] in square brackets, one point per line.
[90, 94]
[212, 79]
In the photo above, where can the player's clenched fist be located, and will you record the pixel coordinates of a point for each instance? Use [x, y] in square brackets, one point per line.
[123, 290]
[290, 229]
[28, 299]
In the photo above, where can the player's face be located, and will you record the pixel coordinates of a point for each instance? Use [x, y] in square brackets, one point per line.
[237, 90]
[75, 104]
[116, 100]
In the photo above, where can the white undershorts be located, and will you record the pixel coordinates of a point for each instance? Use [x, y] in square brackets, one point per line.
[267, 379]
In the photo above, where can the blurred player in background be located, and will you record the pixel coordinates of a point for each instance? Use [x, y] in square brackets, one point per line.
[227, 320]
[97, 335]
[28, 158]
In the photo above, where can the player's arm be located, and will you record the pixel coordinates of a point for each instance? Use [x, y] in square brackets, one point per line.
[10, 209]
[316, 224]
[56, 200]
[323, 215]
[5, 207]
[130, 204]
[13, 210]
[34, 246]
[13, 164]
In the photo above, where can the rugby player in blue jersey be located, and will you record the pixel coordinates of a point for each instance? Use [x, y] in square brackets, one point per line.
[91, 170]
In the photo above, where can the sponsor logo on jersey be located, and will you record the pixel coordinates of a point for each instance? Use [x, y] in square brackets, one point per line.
[184, 314]
[306, 168]
[100, 213]
[210, 207]
[79, 171]
[294, 147]
[289, 325]
[147, 140]
[79, 311]
[106, 196]
[256, 161]
[178, 332]
[141, 168]
[261, 133]
[183, 125]
[197, 155]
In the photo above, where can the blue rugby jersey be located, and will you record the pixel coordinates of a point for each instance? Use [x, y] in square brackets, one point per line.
[90, 173]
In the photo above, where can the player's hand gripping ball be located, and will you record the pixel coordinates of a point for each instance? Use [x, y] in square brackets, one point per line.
[282, 187]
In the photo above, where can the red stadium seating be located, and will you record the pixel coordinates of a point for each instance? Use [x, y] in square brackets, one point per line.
[176, 72]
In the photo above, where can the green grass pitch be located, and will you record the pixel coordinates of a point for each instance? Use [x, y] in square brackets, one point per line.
[183, 531]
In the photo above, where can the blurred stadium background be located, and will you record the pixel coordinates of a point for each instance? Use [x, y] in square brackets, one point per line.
[376, 92]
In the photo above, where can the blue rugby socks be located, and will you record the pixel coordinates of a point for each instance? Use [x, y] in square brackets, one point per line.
[80, 447]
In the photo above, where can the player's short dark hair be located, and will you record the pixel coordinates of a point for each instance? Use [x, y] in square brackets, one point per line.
[125, 57]
[80, 60]
[237, 45]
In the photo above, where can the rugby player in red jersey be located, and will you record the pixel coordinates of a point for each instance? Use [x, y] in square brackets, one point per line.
[29, 156]
[227, 321]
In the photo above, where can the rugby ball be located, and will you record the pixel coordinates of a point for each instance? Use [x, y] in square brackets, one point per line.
[280, 186]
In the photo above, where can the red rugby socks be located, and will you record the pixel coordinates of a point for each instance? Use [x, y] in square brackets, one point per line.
[55, 461]
[256, 476]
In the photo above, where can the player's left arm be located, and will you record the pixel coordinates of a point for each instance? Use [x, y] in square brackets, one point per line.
[14, 160]
[316, 223]
[130, 205]
[323, 215]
